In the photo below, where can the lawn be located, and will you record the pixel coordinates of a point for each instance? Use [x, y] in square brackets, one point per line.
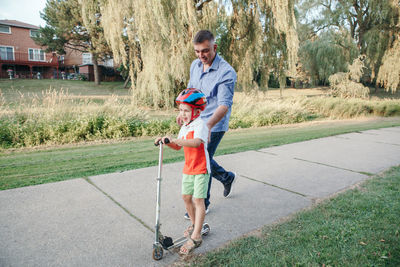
[357, 228]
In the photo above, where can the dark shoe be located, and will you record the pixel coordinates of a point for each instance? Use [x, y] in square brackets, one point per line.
[228, 187]
[186, 216]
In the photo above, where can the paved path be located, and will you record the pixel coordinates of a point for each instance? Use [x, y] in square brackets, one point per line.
[107, 220]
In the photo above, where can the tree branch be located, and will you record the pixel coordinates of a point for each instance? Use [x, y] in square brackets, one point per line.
[199, 7]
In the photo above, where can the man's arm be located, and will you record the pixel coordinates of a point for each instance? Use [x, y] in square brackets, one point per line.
[225, 99]
[219, 113]
[215, 118]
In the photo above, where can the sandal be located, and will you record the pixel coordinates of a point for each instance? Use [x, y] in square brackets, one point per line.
[189, 231]
[189, 246]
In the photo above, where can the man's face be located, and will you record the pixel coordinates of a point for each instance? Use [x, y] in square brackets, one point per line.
[205, 51]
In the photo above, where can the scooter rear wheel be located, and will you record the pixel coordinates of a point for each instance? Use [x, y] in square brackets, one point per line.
[158, 253]
[206, 229]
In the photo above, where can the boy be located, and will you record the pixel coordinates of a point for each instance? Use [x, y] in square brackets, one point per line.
[193, 137]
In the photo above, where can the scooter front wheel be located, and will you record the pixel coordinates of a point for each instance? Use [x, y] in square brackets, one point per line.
[158, 253]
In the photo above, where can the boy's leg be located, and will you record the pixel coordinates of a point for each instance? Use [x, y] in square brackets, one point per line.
[200, 193]
[190, 208]
[200, 213]
[187, 193]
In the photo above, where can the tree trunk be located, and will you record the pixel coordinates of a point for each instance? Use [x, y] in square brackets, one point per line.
[96, 69]
[127, 81]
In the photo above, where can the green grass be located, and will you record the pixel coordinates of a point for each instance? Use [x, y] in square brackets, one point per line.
[357, 228]
[23, 167]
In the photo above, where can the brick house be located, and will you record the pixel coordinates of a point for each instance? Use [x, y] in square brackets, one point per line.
[77, 62]
[19, 53]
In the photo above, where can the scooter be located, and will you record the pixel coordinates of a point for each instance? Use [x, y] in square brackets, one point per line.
[165, 242]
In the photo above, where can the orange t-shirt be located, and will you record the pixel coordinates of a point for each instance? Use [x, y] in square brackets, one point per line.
[196, 158]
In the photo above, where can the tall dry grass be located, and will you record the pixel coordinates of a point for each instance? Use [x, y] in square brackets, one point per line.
[258, 109]
[261, 110]
[57, 117]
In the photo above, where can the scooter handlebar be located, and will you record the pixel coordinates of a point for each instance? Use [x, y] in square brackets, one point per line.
[166, 141]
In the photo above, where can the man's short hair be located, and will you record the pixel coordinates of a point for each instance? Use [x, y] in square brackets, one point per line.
[203, 35]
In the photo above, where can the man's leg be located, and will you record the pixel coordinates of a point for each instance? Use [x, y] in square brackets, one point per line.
[217, 171]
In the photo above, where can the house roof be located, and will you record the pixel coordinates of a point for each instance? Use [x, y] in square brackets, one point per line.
[19, 24]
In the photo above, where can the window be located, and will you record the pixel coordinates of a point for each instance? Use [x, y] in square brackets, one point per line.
[109, 62]
[36, 54]
[5, 29]
[7, 53]
[34, 33]
[86, 58]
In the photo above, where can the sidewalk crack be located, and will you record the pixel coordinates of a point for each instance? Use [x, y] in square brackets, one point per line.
[119, 204]
[336, 167]
[387, 143]
[266, 152]
[281, 188]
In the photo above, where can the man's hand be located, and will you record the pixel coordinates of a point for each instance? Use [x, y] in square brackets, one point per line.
[179, 121]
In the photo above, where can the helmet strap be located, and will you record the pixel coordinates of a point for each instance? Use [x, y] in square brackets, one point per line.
[193, 117]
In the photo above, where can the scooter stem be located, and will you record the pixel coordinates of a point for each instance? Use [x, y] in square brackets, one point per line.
[160, 160]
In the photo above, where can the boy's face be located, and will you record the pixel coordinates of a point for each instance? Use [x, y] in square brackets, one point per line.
[185, 113]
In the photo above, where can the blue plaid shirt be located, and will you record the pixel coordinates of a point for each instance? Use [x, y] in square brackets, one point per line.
[217, 83]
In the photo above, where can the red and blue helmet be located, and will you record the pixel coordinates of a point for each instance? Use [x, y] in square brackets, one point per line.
[192, 97]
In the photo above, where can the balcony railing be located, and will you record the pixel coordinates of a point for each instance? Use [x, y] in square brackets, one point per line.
[25, 58]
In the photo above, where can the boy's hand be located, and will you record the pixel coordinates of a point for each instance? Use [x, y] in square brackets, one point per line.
[157, 141]
[162, 139]
[166, 137]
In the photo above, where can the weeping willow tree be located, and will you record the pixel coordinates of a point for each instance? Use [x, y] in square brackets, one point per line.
[389, 72]
[327, 54]
[155, 37]
[373, 26]
[260, 37]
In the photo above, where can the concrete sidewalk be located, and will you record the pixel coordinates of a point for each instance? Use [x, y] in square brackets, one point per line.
[107, 220]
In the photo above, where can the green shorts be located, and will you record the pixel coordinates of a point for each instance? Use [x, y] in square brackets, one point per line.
[195, 185]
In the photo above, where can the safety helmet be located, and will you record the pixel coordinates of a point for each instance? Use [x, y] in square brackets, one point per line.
[194, 98]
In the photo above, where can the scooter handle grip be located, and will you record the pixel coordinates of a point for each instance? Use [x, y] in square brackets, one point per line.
[166, 141]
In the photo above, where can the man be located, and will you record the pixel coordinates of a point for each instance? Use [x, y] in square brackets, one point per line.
[216, 79]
